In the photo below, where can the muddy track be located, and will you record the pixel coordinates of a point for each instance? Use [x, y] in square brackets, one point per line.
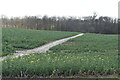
[41, 49]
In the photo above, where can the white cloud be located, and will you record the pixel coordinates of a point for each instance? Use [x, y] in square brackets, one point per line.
[59, 7]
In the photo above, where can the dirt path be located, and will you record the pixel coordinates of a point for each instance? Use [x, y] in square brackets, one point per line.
[41, 49]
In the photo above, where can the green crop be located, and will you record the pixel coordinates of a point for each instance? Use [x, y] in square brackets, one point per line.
[91, 54]
[18, 39]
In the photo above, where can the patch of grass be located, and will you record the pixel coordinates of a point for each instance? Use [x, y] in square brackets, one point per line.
[17, 39]
[91, 54]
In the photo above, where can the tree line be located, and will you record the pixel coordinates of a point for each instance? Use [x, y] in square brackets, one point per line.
[88, 24]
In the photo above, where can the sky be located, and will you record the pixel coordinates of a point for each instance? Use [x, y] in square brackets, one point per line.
[19, 8]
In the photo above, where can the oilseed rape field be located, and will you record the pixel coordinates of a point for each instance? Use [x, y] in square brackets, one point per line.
[90, 54]
[21, 39]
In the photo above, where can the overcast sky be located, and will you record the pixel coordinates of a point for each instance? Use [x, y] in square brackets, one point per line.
[59, 7]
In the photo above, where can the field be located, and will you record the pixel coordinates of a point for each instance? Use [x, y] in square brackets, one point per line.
[91, 54]
[19, 39]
